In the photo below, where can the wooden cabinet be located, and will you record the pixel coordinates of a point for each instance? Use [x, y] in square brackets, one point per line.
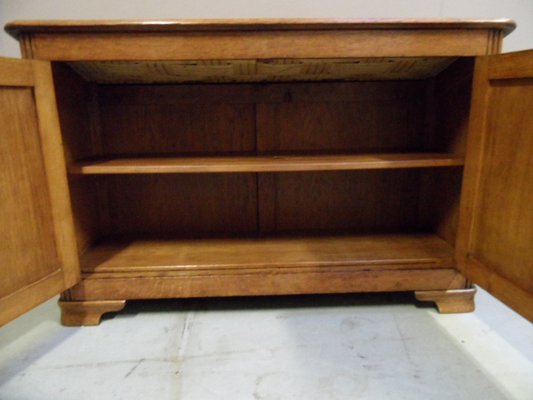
[258, 157]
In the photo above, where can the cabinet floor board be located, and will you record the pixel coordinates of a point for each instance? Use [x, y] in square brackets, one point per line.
[243, 255]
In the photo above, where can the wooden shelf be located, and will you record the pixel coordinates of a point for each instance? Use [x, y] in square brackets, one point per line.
[160, 257]
[166, 165]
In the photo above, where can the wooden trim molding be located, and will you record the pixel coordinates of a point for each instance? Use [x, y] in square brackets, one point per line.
[232, 45]
[16, 28]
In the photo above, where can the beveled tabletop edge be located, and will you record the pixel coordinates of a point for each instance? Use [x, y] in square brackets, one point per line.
[16, 28]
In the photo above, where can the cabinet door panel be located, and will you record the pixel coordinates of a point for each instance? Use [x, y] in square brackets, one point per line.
[495, 243]
[34, 263]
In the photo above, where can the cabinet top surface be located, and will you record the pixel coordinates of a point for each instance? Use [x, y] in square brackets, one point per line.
[16, 28]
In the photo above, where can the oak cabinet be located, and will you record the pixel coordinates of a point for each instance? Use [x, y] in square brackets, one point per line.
[164, 159]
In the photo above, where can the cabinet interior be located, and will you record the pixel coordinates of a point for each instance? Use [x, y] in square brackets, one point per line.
[313, 162]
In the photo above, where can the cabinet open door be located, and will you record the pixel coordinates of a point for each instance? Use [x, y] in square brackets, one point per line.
[38, 256]
[495, 242]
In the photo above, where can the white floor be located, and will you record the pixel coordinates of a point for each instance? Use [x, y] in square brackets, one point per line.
[312, 347]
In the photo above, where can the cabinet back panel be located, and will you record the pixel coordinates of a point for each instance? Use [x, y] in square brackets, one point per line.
[188, 205]
[165, 126]
[369, 117]
[362, 201]
[333, 117]
[271, 117]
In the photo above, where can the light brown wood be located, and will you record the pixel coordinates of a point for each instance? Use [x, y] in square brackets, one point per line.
[55, 165]
[29, 249]
[259, 44]
[15, 73]
[266, 265]
[495, 41]
[25, 46]
[496, 229]
[506, 290]
[246, 255]
[308, 186]
[326, 280]
[264, 163]
[449, 301]
[33, 264]
[30, 296]
[505, 66]
[16, 28]
[87, 313]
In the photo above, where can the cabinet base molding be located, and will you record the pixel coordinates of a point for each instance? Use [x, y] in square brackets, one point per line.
[87, 313]
[450, 301]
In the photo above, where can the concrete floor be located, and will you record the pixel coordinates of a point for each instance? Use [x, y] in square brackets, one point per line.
[311, 347]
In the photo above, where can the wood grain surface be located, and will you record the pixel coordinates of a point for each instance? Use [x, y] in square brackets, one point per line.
[161, 256]
[262, 70]
[277, 163]
[496, 227]
[194, 169]
[35, 250]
